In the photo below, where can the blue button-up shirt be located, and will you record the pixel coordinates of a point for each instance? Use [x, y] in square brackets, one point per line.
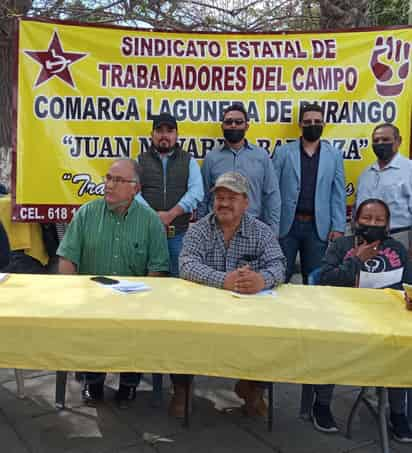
[194, 194]
[254, 163]
[393, 185]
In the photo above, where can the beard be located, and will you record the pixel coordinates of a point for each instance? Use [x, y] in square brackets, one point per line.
[163, 149]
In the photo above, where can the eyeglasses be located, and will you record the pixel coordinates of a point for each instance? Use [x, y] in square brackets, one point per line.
[116, 179]
[310, 122]
[230, 121]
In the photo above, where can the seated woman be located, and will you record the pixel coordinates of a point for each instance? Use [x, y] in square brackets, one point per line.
[371, 259]
[4, 248]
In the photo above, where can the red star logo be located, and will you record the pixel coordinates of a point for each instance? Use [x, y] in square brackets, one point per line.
[55, 62]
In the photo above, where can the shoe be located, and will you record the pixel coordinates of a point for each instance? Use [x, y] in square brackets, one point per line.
[92, 393]
[178, 401]
[400, 428]
[323, 419]
[125, 395]
[242, 389]
[252, 393]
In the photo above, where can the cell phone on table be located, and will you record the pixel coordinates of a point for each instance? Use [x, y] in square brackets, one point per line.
[104, 280]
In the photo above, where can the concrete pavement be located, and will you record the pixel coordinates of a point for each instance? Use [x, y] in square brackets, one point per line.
[33, 425]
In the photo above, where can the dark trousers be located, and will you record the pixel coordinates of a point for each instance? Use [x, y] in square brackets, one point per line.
[127, 379]
[181, 379]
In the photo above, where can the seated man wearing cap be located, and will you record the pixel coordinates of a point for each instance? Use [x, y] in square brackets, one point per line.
[231, 249]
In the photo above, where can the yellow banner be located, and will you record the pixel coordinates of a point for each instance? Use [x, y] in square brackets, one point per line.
[86, 95]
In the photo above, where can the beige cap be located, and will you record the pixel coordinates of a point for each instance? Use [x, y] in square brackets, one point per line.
[232, 181]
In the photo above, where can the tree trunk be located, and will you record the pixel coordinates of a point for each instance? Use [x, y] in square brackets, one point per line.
[8, 9]
[338, 14]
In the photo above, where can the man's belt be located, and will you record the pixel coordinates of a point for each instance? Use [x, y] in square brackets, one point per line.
[304, 217]
[171, 231]
[175, 230]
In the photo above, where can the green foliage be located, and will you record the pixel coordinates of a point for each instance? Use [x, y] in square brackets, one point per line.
[389, 12]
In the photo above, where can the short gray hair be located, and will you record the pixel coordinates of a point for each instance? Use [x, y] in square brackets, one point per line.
[137, 169]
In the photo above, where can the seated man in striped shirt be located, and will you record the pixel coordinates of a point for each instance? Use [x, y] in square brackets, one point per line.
[115, 236]
[231, 249]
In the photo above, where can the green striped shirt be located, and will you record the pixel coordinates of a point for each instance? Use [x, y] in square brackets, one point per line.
[101, 242]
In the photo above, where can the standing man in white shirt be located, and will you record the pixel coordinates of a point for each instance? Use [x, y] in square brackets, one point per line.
[389, 179]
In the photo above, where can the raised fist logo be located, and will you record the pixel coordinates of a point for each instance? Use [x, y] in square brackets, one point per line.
[390, 65]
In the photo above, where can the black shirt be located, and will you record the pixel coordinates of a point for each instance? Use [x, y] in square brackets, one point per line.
[308, 175]
[340, 265]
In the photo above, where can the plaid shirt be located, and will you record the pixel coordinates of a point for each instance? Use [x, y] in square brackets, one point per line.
[205, 258]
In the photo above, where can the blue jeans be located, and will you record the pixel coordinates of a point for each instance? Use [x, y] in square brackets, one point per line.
[303, 238]
[175, 245]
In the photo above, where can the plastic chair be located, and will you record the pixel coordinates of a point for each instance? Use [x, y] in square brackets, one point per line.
[308, 390]
[379, 416]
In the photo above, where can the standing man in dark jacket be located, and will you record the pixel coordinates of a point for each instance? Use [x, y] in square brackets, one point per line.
[171, 183]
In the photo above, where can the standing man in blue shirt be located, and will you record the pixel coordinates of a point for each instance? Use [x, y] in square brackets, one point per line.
[238, 155]
[171, 183]
[390, 180]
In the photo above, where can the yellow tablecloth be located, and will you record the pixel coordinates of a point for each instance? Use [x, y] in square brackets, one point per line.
[22, 236]
[305, 334]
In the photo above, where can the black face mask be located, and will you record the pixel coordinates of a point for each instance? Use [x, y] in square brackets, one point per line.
[383, 151]
[371, 233]
[233, 135]
[312, 133]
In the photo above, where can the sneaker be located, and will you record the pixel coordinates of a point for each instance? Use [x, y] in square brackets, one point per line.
[125, 395]
[323, 419]
[92, 393]
[400, 428]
